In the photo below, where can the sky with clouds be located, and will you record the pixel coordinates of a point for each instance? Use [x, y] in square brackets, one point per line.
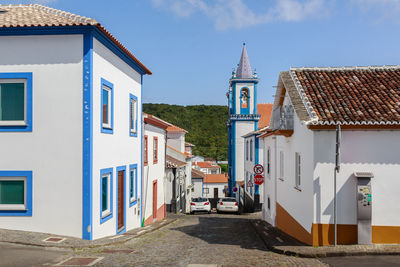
[192, 45]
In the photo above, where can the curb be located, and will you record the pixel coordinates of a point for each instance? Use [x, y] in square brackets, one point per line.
[92, 246]
[320, 254]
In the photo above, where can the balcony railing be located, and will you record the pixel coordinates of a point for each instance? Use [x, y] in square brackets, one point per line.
[283, 118]
[244, 117]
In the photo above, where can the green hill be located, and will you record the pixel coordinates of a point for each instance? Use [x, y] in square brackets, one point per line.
[206, 126]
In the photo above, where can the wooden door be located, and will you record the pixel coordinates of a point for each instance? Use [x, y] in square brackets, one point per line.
[121, 192]
[155, 200]
[215, 192]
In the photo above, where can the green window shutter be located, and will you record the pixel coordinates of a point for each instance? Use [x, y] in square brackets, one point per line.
[12, 102]
[12, 192]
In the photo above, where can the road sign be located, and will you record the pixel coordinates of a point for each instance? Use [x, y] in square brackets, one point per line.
[234, 189]
[258, 169]
[249, 184]
[258, 179]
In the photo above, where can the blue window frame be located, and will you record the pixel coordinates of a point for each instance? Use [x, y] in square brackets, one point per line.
[133, 115]
[106, 194]
[132, 184]
[245, 101]
[107, 107]
[16, 102]
[15, 193]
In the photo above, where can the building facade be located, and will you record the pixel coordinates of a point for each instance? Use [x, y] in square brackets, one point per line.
[70, 123]
[243, 117]
[309, 105]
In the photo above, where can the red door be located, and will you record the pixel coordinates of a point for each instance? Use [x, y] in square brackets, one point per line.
[155, 200]
[121, 191]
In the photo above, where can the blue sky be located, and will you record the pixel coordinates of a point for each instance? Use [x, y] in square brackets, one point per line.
[191, 46]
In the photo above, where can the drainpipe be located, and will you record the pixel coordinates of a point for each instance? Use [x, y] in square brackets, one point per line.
[276, 176]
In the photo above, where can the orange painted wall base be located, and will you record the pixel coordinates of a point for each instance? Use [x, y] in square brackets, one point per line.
[324, 234]
[161, 214]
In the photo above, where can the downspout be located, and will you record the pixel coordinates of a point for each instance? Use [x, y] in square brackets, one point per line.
[276, 178]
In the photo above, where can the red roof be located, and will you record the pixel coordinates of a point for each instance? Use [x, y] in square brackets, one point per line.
[265, 110]
[351, 96]
[197, 174]
[175, 129]
[215, 178]
[207, 164]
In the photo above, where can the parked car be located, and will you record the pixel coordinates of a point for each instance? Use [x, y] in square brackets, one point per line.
[200, 204]
[227, 204]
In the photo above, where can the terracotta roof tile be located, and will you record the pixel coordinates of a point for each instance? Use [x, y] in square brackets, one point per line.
[357, 95]
[197, 174]
[265, 110]
[207, 164]
[172, 162]
[215, 178]
[175, 129]
[15, 16]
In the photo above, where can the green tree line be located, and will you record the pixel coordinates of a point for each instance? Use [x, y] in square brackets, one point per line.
[206, 126]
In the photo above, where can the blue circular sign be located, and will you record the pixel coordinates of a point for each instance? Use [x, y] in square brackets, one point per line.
[234, 189]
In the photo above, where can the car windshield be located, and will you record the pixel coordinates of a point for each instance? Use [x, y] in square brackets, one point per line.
[199, 199]
[228, 200]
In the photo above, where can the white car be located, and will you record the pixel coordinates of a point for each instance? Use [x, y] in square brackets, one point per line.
[227, 204]
[200, 204]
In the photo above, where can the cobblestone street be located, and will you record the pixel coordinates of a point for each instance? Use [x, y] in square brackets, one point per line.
[221, 239]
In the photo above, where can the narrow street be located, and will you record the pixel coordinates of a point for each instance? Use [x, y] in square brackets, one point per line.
[217, 239]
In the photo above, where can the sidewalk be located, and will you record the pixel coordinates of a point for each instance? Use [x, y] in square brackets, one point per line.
[39, 239]
[281, 243]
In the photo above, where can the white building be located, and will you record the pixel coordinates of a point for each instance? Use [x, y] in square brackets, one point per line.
[179, 171]
[215, 185]
[299, 192]
[207, 167]
[154, 184]
[198, 184]
[253, 155]
[243, 117]
[70, 123]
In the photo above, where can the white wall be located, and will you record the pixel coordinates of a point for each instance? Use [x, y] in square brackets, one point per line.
[269, 185]
[176, 141]
[241, 128]
[249, 164]
[119, 148]
[53, 150]
[154, 171]
[198, 187]
[361, 151]
[211, 187]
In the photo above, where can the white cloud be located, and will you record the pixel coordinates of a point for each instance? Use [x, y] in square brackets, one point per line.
[384, 9]
[236, 14]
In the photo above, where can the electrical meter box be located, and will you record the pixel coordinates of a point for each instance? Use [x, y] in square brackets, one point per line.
[364, 210]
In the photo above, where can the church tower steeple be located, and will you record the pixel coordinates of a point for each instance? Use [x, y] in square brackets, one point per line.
[244, 68]
[243, 118]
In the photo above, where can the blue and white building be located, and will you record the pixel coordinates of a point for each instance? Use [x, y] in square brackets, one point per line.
[243, 117]
[70, 125]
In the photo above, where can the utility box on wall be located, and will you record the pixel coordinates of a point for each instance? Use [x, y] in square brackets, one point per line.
[364, 208]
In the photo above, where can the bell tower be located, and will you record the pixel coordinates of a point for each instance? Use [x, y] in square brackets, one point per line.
[243, 118]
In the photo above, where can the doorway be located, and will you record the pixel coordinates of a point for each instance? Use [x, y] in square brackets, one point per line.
[120, 198]
[154, 200]
[215, 192]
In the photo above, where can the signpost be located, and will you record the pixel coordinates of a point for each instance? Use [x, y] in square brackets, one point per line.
[258, 169]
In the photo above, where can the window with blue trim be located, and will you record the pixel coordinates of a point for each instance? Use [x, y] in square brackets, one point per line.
[16, 102]
[133, 116]
[251, 150]
[106, 194]
[107, 106]
[244, 101]
[133, 184]
[15, 193]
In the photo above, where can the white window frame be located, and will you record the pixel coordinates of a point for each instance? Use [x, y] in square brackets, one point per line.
[298, 170]
[107, 212]
[14, 206]
[16, 123]
[133, 127]
[132, 199]
[109, 106]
